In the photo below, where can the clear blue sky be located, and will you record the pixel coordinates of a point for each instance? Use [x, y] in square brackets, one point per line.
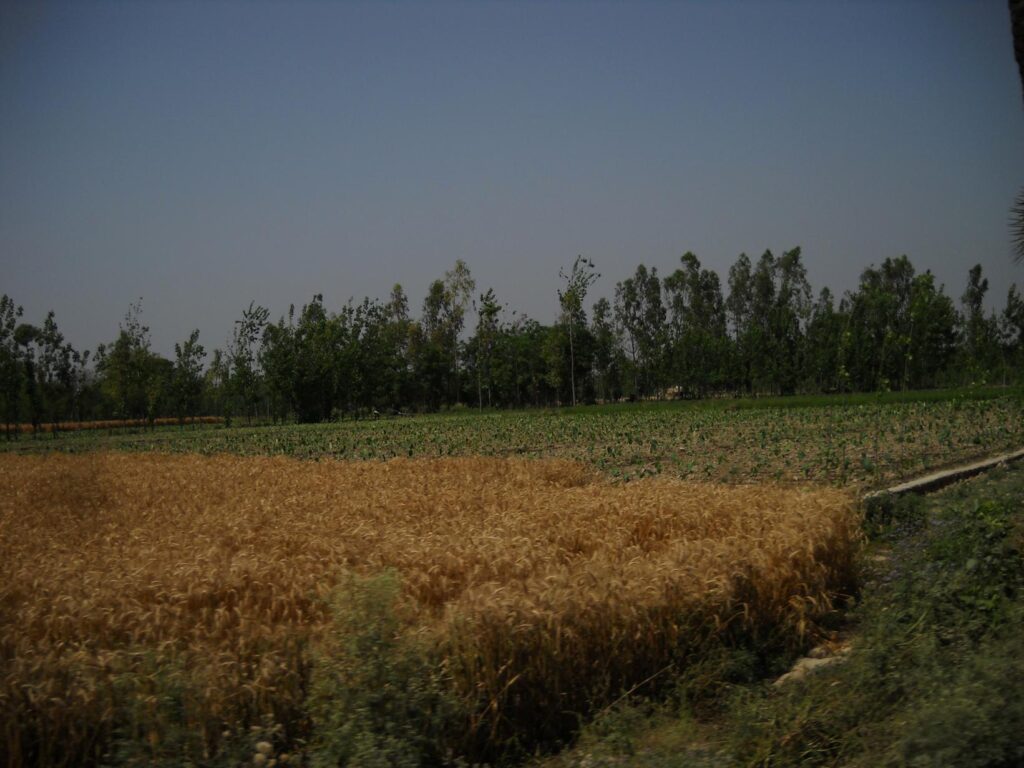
[203, 155]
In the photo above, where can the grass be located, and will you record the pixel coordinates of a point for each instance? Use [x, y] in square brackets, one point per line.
[162, 605]
[935, 678]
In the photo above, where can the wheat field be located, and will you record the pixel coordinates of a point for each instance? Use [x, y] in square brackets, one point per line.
[541, 588]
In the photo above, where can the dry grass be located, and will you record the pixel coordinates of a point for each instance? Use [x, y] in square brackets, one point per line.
[545, 589]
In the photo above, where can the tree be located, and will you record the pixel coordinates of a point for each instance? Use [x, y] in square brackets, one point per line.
[823, 357]
[435, 347]
[487, 329]
[54, 370]
[398, 340]
[980, 333]
[216, 387]
[740, 311]
[243, 357]
[124, 366]
[577, 282]
[459, 286]
[932, 333]
[789, 318]
[315, 367]
[607, 351]
[698, 342]
[1012, 333]
[762, 347]
[12, 373]
[900, 329]
[26, 336]
[159, 384]
[640, 312]
[277, 359]
[187, 377]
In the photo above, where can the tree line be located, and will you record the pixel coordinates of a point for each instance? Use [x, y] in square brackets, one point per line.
[679, 335]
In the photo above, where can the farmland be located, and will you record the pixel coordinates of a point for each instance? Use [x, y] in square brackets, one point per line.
[149, 593]
[415, 588]
[863, 445]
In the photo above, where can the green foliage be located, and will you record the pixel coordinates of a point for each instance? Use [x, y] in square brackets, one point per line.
[135, 380]
[154, 722]
[854, 439]
[158, 721]
[674, 337]
[577, 283]
[935, 675]
[11, 370]
[379, 698]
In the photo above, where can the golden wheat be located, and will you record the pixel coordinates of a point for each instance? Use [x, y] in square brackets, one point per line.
[543, 585]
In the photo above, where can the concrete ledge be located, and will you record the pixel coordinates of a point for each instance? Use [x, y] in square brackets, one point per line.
[937, 480]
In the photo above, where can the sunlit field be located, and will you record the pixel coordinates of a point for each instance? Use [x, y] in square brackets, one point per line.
[164, 605]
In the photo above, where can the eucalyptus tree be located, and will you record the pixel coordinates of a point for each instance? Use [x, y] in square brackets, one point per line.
[435, 347]
[607, 351]
[1011, 331]
[277, 359]
[739, 310]
[697, 343]
[789, 320]
[880, 325]
[980, 333]
[80, 378]
[216, 387]
[399, 333]
[26, 336]
[901, 330]
[12, 372]
[524, 365]
[483, 343]
[159, 384]
[933, 337]
[372, 352]
[459, 286]
[243, 355]
[187, 377]
[762, 347]
[823, 359]
[769, 308]
[314, 364]
[577, 280]
[640, 312]
[54, 370]
[125, 367]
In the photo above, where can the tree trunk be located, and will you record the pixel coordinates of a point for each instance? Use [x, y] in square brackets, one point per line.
[572, 365]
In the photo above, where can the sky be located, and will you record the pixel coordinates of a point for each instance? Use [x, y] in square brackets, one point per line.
[205, 155]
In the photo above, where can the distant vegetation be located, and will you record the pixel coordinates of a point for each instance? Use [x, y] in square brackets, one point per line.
[680, 336]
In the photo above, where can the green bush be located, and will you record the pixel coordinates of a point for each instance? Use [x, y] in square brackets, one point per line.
[937, 673]
[379, 696]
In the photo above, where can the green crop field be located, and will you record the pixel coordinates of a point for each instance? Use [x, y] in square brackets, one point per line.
[863, 442]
